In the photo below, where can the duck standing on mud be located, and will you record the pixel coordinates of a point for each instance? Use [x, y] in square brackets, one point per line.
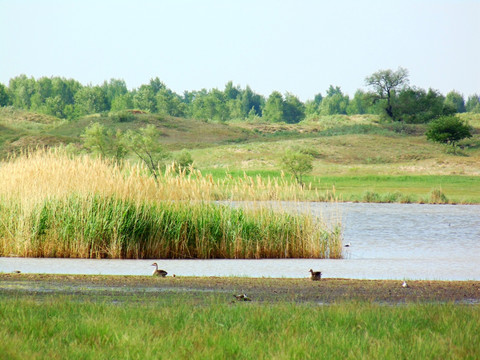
[316, 275]
[158, 272]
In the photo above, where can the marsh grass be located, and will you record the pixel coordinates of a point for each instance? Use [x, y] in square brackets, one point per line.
[438, 197]
[54, 205]
[64, 328]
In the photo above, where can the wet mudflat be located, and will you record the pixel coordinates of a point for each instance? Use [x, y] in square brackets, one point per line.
[264, 290]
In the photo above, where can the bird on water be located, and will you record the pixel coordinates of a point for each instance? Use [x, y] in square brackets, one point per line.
[316, 275]
[158, 272]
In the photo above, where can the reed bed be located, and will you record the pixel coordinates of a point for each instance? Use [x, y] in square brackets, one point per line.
[53, 172]
[54, 205]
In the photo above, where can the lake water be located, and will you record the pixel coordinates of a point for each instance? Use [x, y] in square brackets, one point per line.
[387, 241]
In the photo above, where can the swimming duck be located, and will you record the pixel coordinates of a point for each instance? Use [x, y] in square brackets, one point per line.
[242, 297]
[158, 272]
[316, 275]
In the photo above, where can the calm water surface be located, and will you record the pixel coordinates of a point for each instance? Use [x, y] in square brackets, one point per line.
[388, 241]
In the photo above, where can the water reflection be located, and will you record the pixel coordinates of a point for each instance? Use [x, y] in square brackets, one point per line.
[388, 241]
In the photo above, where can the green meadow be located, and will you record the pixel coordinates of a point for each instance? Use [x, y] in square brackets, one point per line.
[66, 328]
[457, 189]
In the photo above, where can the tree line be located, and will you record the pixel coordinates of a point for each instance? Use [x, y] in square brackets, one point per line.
[389, 95]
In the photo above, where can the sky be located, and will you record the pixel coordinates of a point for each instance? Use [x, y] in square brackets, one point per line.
[300, 46]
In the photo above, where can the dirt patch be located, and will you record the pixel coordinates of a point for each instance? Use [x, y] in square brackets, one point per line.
[258, 289]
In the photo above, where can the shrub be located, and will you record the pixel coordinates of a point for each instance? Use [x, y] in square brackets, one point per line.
[122, 116]
[448, 130]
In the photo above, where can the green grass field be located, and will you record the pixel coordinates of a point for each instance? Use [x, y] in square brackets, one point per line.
[458, 189]
[65, 328]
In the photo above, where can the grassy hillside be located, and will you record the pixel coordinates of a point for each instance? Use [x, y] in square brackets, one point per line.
[359, 157]
[20, 129]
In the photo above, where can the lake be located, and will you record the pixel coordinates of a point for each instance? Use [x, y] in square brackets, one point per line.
[387, 241]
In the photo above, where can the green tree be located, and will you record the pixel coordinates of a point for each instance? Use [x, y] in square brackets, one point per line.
[56, 107]
[122, 102]
[144, 99]
[416, 106]
[156, 85]
[448, 130]
[231, 92]
[334, 90]
[297, 163]
[113, 89]
[210, 105]
[455, 101]
[235, 109]
[293, 109]
[473, 103]
[42, 91]
[145, 143]
[250, 100]
[273, 110]
[4, 98]
[90, 100]
[360, 104]
[104, 142]
[317, 99]
[66, 89]
[21, 89]
[312, 107]
[335, 102]
[169, 103]
[385, 83]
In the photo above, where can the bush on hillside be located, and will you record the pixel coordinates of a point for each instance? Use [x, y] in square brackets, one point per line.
[448, 130]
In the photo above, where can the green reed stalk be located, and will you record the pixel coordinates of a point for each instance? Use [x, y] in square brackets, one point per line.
[94, 226]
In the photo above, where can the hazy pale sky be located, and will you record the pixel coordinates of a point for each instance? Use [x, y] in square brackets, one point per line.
[296, 46]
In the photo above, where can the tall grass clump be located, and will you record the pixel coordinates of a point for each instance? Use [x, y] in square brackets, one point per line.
[53, 205]
[438, 197]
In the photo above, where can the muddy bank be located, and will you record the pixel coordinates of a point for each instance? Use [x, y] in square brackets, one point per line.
[148, 288]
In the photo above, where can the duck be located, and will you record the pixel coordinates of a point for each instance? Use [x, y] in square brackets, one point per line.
[158, 272]
[242, 297]
[405, 285]
[316, 275]
[348, 245]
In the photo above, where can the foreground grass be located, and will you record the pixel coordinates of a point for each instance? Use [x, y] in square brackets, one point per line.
[62, 327]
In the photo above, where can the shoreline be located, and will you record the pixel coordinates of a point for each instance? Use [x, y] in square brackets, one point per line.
[261, 290]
